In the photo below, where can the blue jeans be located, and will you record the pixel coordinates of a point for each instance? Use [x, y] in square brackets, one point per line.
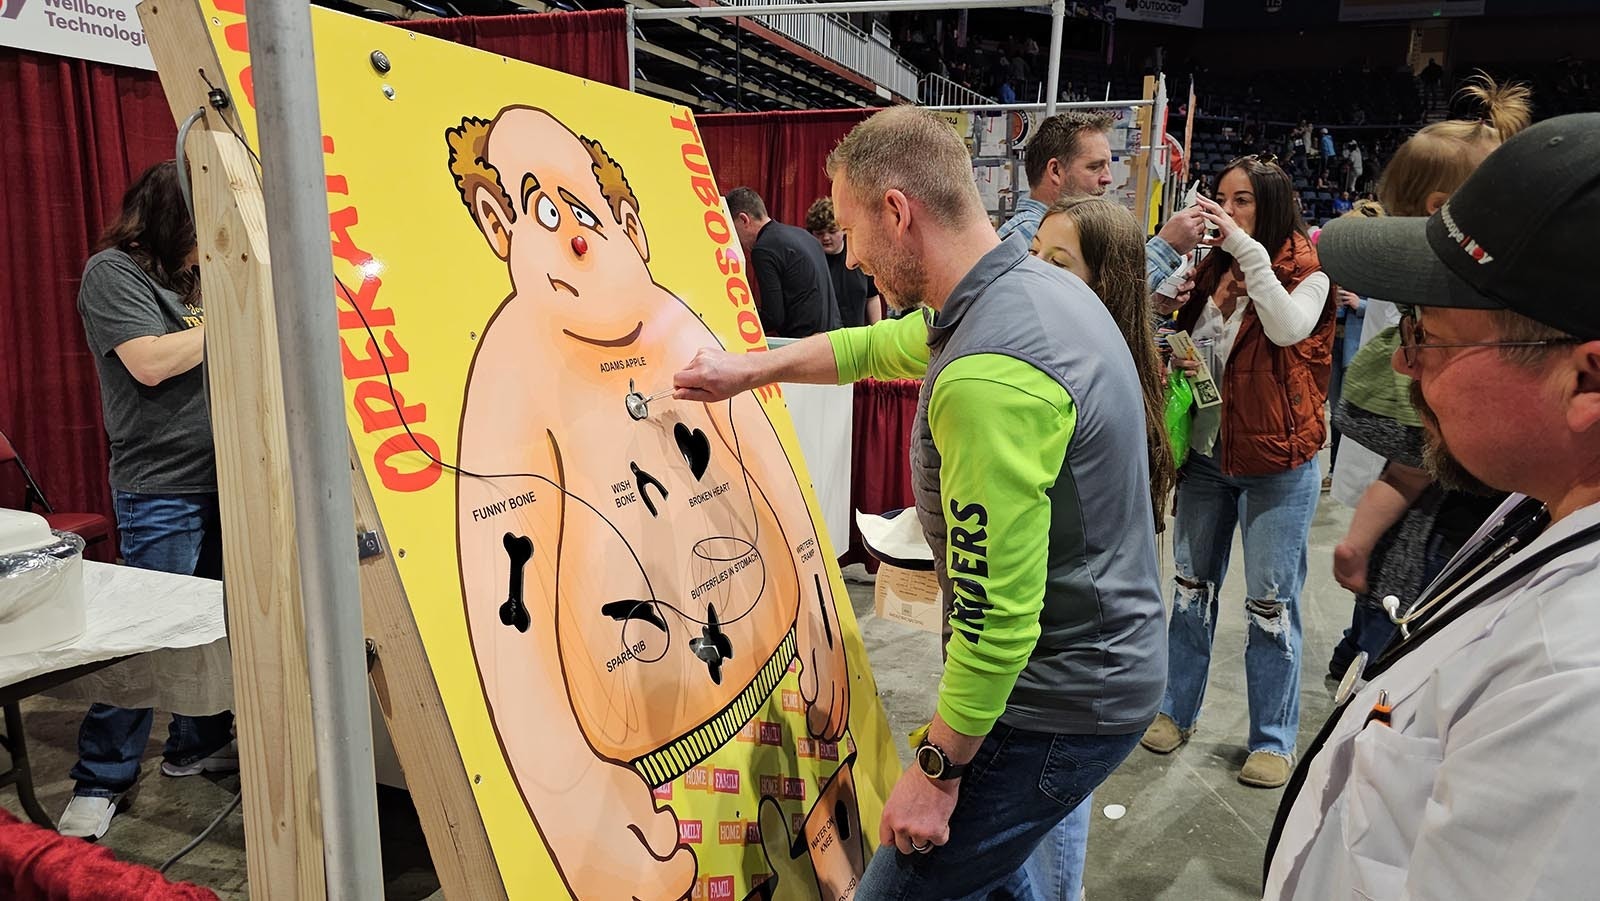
[1275, 512]
[1020, 785]
[1056, 867]
[175, 533]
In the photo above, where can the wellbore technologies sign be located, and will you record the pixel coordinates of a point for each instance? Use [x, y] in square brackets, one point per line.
[104, 30]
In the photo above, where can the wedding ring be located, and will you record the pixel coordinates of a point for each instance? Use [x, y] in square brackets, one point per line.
[922, 849]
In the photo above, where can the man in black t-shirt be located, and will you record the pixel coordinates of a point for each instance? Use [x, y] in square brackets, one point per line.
[791, 271]
[856, 292]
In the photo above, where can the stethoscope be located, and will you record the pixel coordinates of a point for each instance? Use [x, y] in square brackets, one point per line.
[1520, 525]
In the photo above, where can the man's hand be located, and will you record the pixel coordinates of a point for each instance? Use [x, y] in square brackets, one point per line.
[1184, 230]
[917, 815]
[1350, 300]
[714, 375]
[1350, 566]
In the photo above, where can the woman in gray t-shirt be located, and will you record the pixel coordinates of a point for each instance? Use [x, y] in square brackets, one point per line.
[140, 302]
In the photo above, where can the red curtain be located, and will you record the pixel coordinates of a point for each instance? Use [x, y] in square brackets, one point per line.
[592, 45]
[73, 136]
[780, 155]
[880, 462]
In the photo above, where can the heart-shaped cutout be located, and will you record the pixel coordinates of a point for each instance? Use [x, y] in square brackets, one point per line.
[695, 447]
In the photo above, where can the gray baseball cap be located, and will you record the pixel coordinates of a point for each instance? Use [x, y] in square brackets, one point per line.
[1518, 235]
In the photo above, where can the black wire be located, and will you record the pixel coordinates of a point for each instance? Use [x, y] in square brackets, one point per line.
[204, 833]
[216, 93]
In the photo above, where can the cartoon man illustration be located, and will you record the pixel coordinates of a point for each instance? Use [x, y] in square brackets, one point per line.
[635, 587]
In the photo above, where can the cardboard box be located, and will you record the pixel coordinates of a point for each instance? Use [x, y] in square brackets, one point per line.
[909, 597]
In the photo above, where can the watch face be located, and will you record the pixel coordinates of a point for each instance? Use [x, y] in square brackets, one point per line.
[930, 761]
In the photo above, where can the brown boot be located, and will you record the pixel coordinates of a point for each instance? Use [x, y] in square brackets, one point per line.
[1264, 769]
[1164, 736]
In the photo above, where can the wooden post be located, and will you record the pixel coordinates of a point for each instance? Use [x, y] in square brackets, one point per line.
[1141, 160]
[283, 835]
[415, 715]
[272, 698]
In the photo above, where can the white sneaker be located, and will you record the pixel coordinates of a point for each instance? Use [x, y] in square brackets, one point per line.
[87, 817]
[223, 761]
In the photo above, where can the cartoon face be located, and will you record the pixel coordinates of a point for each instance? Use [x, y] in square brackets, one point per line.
[560, 212]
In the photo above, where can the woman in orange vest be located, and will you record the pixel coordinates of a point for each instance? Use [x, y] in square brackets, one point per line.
[1261, 318]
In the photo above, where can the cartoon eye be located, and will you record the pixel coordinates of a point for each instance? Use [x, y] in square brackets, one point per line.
[549, 216]
[582, 214]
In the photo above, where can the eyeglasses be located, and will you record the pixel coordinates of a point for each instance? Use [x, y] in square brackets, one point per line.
[1413, 339]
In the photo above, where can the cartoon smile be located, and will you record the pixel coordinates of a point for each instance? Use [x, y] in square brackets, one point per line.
[558, 283]
[623, 341]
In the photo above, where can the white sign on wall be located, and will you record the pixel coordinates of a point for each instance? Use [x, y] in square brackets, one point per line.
[1188, 13]
[1377, 10]
[107, 31]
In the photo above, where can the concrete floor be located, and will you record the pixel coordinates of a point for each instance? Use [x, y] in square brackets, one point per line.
[1191, 830]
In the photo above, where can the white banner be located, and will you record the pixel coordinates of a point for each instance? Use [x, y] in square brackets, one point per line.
[107, 31]
[1373, 10]
[1188, 13]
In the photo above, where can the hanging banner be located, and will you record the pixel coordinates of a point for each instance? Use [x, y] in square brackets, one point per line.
[630, 605]
[1375, 10]
[1188, 13]
[106, 31]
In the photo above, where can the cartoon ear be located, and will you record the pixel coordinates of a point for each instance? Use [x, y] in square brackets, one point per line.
[633, 227]
[490, 213]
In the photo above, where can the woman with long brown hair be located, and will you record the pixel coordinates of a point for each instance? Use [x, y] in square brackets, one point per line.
[1261, 316]
[140, 302]
[1099, 241]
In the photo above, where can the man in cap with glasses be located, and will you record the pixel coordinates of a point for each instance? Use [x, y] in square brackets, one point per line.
[1460, 763]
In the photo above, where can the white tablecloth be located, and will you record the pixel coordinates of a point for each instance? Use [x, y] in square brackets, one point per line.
[823, 416]
[175, 625]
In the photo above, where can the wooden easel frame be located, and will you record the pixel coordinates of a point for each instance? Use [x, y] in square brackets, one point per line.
[266, 629]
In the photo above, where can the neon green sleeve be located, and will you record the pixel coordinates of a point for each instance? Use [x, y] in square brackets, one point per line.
[1002, 428]
[888, 349]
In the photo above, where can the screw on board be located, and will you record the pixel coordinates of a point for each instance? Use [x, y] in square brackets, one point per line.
[380, 61]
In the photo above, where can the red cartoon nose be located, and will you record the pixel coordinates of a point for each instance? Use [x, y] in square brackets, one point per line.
[579, 245]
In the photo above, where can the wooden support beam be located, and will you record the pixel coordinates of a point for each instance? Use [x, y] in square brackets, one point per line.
[1141, 160]
[414, 712]
[266, 629]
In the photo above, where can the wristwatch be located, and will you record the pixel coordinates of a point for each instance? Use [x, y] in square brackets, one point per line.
[937, 765]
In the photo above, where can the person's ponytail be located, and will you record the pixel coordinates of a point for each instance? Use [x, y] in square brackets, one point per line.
[1506, 108]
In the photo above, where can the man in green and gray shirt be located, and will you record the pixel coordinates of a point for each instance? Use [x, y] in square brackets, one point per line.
[1029, 467]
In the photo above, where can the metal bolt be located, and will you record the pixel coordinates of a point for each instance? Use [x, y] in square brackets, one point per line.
[477, 779]
[401, 552]
[380, 61]
[472, 336]
[388, 91]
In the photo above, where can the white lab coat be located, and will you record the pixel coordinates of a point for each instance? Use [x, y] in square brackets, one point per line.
[1487, 785]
